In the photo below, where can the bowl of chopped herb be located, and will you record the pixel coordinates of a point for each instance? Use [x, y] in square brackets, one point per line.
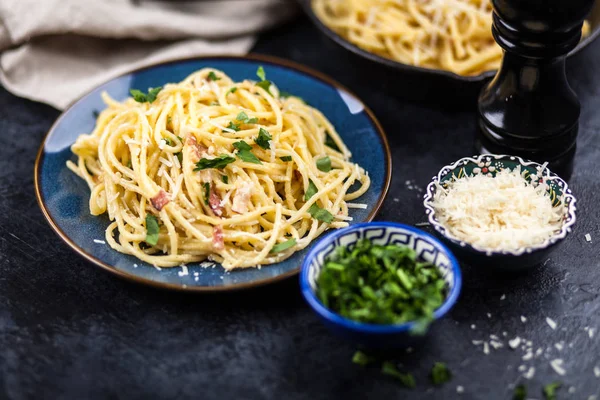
[380, 284]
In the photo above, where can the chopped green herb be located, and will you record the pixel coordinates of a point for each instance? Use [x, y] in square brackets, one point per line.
[225, 179]
[440, 373]
[260, 72]
[141, 97]
[218, 162]
[180, 138]
[168, 141]
[283, 246]
[179, 157]
[311, 191]
[320, 214]
[245, 152]
[388, 368]
[362, 359]
[233, 127]
[151, 230]
[129, 164]
[550, 390]
[520, 392]
[264, 83]
[362, 283]
[263, 139]
[214, 103]
[324, 164]
[169, 119]
[232, 90]
[330, 142]
[212, 76]
[286, 158]
[242, 116]
[206, 192]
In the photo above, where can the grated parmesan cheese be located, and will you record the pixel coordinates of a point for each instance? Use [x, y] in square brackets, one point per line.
[184, 271]
[357, 205]
[498, 213]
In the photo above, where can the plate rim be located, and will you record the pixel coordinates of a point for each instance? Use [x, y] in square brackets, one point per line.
[190, 288]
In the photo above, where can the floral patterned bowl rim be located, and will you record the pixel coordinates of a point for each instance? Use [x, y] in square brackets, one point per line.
[489, 163]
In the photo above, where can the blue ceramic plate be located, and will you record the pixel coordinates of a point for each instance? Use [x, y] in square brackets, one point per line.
[63, 197]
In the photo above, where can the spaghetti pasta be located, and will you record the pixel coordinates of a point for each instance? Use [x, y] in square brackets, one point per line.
[213, 169]
[451, 35]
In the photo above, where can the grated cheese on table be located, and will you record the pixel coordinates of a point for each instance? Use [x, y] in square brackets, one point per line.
[498, 213]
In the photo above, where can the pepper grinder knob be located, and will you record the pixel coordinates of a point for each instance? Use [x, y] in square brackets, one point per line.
[529, 109]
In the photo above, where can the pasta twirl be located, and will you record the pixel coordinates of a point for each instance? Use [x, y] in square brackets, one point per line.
[231, 171]
[451, 35]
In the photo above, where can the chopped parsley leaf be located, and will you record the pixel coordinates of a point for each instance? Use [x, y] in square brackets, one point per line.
[141, 97]
[264, 83]
[179, 157]
[286, 158]
[218, 162]
[151, 230]
[361, 358]
[245, 152]
[311, 191]
[324, 164]
[206, 192]
[263, 139]
[279, 247]
[320, 214]
[234, 127]
[260, 72]
[225, 179]
[243, 117]
[212, 76]
[232, 90]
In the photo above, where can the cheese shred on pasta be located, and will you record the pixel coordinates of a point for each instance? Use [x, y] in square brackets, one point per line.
[452, 35]
[266, 200]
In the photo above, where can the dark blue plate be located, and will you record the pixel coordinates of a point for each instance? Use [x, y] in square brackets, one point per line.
[63, 196]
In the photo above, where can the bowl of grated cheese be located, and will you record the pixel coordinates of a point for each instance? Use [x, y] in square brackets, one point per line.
[500, 211]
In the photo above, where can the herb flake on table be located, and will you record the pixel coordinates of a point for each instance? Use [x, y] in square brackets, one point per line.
[550, 390]
[142, 97]
[440, 374]
[520, 392]
[152, 230]
[362, 359]
[389, 368]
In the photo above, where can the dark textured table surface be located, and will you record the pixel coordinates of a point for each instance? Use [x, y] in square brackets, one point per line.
[71, 331]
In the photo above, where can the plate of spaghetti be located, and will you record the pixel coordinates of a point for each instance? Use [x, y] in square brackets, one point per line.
[451, 38]
[212, 173]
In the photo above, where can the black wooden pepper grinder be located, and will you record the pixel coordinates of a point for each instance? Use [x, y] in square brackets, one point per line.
[529, 109]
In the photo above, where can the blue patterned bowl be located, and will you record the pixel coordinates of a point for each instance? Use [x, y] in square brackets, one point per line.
[381, 233]
[506, 261]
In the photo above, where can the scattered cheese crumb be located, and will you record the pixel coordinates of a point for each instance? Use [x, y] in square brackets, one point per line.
[184, 271]
[591, 333]
[551, 323]
[460, 389]
[529, 374]
[135, 265]
[557, 366]
[409, 350]
[157, 267]
[593, 397]
[559, 346]
[99, 241]
[597, 372]
[473, 326]
[503, 297]
[494, 337]
[496, 345]
[522, 368]
[588, 237]
[504, 334]
[477, 342]
[396, 199]
[523, 319]
[489, 315]
[528, 356]
[422, 224]
[539, 352]
[514, 343]
[486, 348]
[572, 389]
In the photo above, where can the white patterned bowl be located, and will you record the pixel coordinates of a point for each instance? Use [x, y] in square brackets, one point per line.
[427, 248]
[509, 260]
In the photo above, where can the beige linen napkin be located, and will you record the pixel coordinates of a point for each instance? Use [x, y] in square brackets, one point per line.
[54, 51]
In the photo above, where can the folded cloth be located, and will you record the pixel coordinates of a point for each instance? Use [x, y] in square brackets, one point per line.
[54, 51]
